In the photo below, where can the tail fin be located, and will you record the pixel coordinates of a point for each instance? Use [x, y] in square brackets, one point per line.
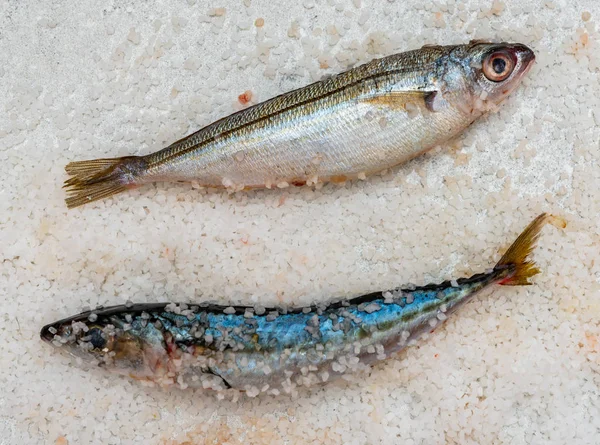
[517, 254]
[100, 178]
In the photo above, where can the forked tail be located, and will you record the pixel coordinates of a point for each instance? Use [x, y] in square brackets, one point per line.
[100, 178]
[516, 257]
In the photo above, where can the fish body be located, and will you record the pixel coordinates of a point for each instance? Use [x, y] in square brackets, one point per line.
[348, 126]
[272, 350]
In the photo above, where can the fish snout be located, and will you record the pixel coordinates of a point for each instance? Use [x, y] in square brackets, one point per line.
[48, 332]
[524, 54]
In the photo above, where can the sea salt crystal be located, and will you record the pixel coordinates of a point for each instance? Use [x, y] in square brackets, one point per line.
[364, 17]
[372, 307]
[497, 7]
[133, 36]
[252, 391]
[294, 30]
[217, 12]
[78, 327]
[317, 159]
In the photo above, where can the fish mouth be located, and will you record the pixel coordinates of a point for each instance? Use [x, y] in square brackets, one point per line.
[103, 315]
[48, 332]
[528, 57]
[524, 54]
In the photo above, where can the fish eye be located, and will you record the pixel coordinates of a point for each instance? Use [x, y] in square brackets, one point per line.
[96, 338]
[498, 66]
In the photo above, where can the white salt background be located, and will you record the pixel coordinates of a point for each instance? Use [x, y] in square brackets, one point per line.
[86, 79]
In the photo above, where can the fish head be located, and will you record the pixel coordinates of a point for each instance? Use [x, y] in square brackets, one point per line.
[498, 68]
[107, 339]
[483, 74]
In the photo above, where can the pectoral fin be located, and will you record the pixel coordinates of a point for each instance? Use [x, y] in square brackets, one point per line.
[409, 100]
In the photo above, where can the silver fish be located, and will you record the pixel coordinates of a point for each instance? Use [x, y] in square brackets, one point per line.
[348, 126]
[273, 350]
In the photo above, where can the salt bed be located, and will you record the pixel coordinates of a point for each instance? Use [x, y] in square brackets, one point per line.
[85, 79]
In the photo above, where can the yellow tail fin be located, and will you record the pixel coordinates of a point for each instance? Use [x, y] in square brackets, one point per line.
[100, 178]
[517, 254]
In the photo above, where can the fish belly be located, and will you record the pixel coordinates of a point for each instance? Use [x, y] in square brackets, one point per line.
[324, 143]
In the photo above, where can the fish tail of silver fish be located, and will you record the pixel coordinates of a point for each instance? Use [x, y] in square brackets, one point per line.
[100, 178]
